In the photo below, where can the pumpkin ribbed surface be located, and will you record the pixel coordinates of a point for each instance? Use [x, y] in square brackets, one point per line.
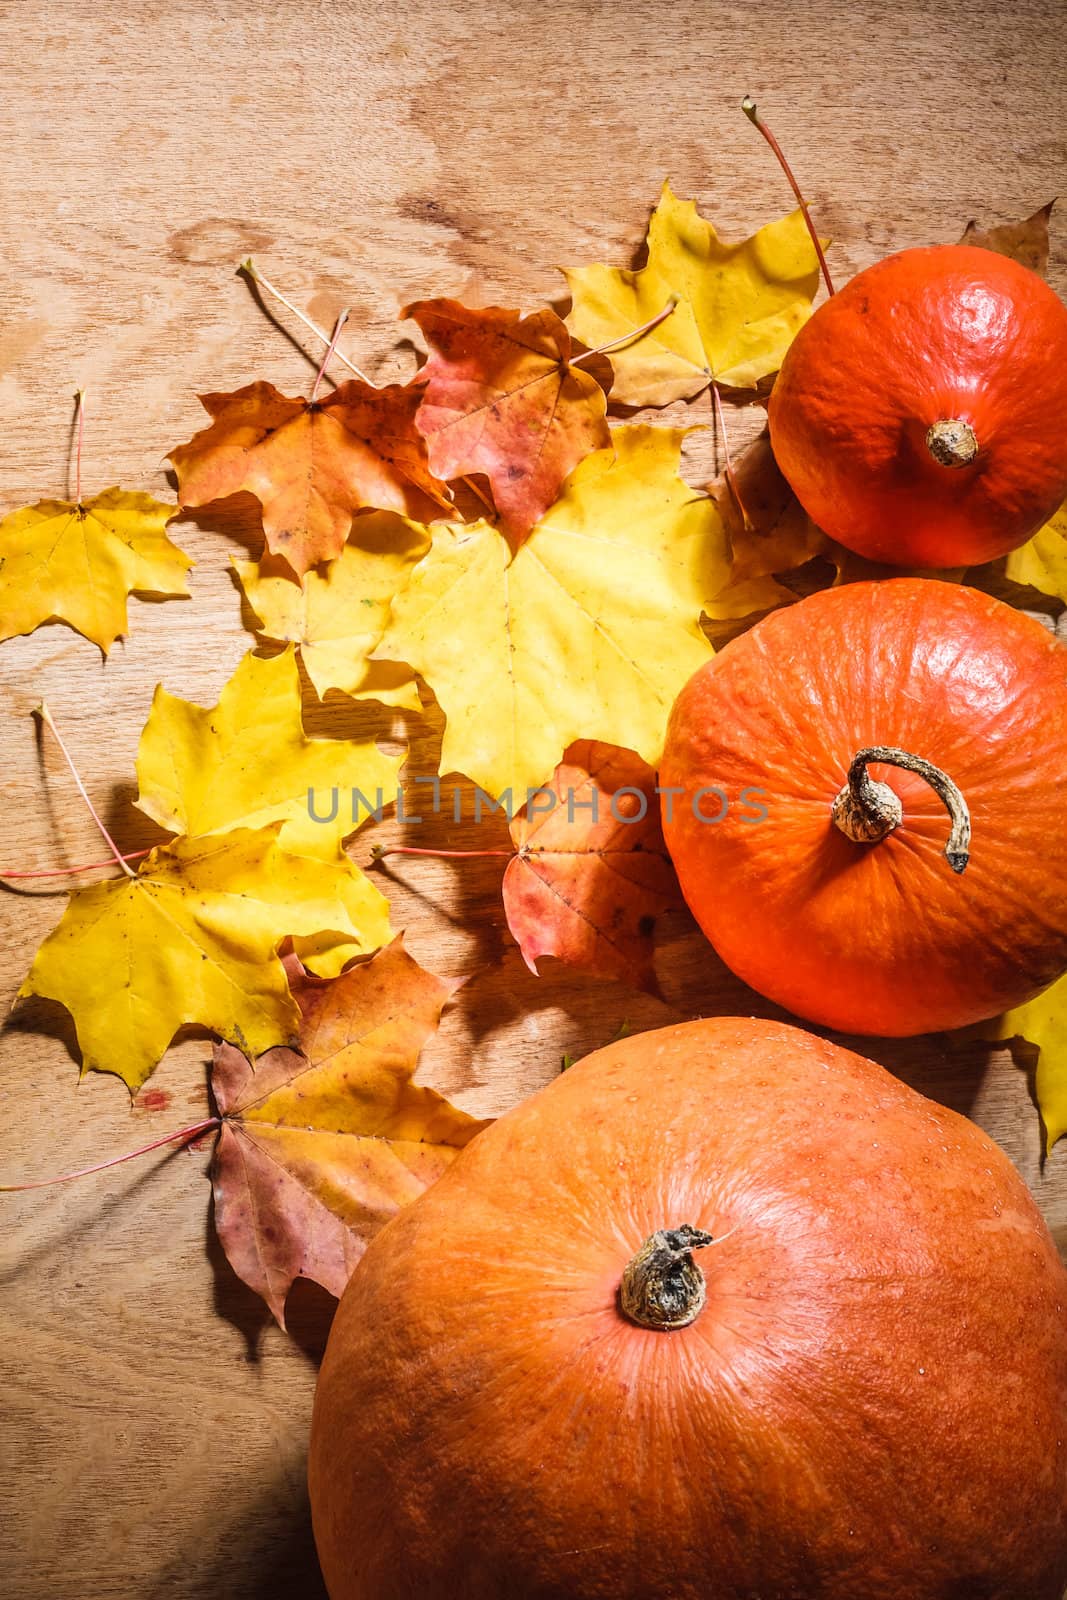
[869, 1406]
[882, 937]
[925, 338]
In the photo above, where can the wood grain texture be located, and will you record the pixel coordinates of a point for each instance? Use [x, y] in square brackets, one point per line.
[366, 155]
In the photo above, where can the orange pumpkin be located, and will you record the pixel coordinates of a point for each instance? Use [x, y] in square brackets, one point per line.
[919, 414]
[827, 874]
[846, 1376]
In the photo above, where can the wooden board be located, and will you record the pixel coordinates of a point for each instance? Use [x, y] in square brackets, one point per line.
[154, 1425]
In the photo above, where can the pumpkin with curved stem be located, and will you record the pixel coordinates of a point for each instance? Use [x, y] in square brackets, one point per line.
[919, 414]
[861, 715]
[845, 1376]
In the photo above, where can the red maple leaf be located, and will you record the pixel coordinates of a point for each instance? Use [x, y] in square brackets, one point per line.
[503, 397]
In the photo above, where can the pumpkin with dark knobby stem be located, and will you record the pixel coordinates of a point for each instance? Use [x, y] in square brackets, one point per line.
[725, 1312]
[813, 762]
[919, 414]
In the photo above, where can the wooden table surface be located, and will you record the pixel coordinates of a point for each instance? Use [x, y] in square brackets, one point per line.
[154, 1423]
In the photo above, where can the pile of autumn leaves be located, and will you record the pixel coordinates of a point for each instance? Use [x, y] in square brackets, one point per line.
[554, 622]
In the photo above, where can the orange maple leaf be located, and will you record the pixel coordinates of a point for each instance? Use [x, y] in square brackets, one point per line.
[503, 397]
[592, 873]
[312, 465]
[320, 1146]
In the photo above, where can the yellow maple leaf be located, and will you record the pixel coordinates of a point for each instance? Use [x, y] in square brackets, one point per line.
[1042, 561]
[337, 616]
[1042, 1023]
[738, 305]
[191, 937]
[589, 631]
[247, 762]
[77, 563]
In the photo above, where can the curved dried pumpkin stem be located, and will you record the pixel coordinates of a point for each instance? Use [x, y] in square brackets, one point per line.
[866, 811]
[662, 1287]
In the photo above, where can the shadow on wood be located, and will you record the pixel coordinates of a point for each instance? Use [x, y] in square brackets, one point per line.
[266, 1554]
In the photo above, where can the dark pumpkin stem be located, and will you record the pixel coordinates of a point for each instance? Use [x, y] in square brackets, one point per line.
[952, 442]
[662, 1287]
[866, 811]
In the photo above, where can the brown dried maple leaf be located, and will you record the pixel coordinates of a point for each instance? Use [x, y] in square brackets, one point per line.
[769, 532]
[320, 1146]
[1025, 242]
[312, 465]
[592, 874]
[503, 397]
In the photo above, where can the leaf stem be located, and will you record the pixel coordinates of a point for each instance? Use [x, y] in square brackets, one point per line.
[264, 283]
[730, 474]
[625, 338]
[79, 417]
[88, 866]
[330, 349]
[474, 489]
[748, 106]
[46, 717]
[380, 850]
[116, 1161]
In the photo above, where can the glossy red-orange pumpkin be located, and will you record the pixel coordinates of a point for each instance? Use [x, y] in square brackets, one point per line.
[869, 1406]
[952, 339]
[882, 936]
